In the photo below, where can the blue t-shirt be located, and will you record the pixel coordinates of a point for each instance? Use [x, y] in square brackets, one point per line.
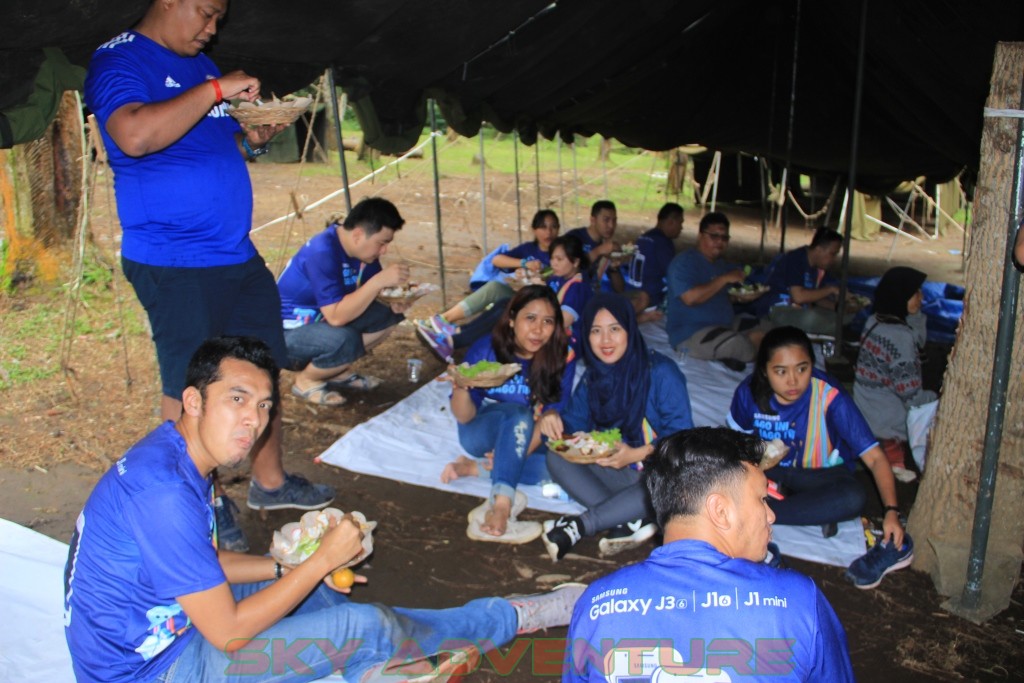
[573, 294]
[666, 412]
[688, 270]
[689, 603]
[146, 536]
[188, 205]
[648, 269]
[531, 252]
[792, 269]
[320, 274]
[823, 428]
[584, 236]
[516, 389]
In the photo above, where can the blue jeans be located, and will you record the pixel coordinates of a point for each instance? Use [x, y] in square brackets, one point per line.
[327, 632]
[818, 496]
[506, 429]
[327, 346]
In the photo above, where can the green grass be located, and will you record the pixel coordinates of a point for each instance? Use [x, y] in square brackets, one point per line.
[635, 179]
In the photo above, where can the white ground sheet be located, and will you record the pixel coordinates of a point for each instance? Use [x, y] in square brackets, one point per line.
[414, 439]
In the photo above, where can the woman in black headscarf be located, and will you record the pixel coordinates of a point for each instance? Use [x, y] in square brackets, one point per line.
[888, 376]
[626, 387]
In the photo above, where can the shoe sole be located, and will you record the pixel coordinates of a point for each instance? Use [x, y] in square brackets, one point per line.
[905, 562]
[433, 346]
[613, 546]
[288, 506]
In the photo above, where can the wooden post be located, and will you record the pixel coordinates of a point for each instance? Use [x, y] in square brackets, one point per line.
[942, 517]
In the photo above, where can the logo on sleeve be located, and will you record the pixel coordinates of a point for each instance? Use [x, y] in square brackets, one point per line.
[171, 83]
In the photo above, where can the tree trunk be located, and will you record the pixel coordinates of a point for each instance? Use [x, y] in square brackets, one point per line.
[943, 515]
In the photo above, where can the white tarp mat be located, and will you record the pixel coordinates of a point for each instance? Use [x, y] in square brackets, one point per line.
[414, 439]
[32, 645]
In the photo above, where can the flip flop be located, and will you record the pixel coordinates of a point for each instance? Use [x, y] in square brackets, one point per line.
[515, 533]
[355, 381]
[479, 514]
[323, 390]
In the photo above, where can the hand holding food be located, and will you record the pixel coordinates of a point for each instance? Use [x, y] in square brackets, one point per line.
[550, 425]
[484, 374]
[395, 275]
[347, 539]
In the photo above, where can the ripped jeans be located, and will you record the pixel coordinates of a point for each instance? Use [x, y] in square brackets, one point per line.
[506, 429]
[327, 632]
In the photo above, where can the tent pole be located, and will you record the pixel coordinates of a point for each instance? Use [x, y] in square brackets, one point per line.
[852, 176]
[604, 168]
[337, 112]
[783, 217]
[483, 191]
[575, 183]
[519, 210]
[761, 164]
[561, 193]
[536, 169]
[437, 202]
[718, 171]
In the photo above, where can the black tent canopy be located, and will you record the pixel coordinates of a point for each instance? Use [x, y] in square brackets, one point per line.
[651, 73]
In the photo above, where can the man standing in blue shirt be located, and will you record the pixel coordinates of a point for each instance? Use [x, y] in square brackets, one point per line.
[705, 604]
[701, 321]
[644, 276]
[328, 301]
[184, 200]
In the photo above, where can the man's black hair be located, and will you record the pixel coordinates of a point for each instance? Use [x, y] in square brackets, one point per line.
[373, 214]
[602, 205]
[824, 236]
[204, 367]
[687, 466]
[713, 218]
[670, 209]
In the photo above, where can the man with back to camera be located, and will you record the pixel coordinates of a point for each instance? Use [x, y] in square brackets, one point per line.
[184, 200]
[643, 277]
[148, 597]
[705, 605]
[701, 321]
[328, 301]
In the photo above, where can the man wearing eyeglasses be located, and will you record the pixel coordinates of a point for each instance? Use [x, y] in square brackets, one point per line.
[701, 322]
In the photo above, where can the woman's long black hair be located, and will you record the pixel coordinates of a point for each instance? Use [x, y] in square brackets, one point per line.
[548, 364]
[760, 387]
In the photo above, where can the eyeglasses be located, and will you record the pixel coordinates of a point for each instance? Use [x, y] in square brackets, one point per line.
[717, 236]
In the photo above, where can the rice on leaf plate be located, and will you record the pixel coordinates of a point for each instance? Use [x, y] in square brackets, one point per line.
[746, 293]
[585, 448]
[405, 294]
[295, 542]
[484, 374]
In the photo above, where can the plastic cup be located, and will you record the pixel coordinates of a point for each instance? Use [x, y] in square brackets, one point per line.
[414, 365]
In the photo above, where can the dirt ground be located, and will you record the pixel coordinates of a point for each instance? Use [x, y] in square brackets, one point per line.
[60, 432]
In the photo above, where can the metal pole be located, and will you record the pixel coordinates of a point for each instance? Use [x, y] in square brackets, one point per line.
[561, 194]
[852, 177]
[762, 167]
[437, 203]
[483, 191]
[519, 210]
[971, 598]
[337, 112]
[575, 183]
[789, 136]
[537, 170]
[604, 168]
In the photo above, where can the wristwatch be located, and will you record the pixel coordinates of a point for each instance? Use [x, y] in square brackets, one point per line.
[253, 153]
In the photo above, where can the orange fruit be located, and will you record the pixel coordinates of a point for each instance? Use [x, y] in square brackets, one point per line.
[343, 578]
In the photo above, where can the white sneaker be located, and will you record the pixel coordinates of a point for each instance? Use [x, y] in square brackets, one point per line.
[547, 610]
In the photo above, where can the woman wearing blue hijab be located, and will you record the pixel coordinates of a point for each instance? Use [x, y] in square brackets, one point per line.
[626, 386]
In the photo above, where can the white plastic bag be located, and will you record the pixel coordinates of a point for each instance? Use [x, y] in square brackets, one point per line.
[919, 423]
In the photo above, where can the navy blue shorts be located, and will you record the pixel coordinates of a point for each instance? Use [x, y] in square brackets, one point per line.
[327, 346]
[187, 306]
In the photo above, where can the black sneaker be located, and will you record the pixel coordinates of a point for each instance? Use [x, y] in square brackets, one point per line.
[229, 535]
[560, 535]
[627, 536]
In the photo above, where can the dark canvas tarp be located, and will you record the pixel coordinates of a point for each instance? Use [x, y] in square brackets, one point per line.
[653, 74]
